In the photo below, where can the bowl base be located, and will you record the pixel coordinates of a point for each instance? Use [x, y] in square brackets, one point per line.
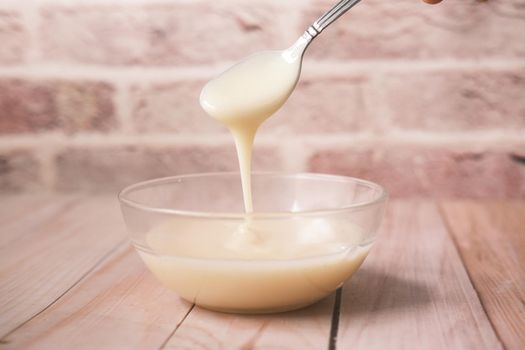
[252, 311]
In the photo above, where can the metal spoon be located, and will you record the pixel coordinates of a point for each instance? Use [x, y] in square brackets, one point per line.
[296, 51]
[255, 74]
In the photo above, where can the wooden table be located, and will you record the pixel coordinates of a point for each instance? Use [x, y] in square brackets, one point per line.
[447, 275]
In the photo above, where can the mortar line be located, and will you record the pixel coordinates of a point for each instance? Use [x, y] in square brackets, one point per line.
[479, 140]
[123, 108]
[30, 16]
[123, 73]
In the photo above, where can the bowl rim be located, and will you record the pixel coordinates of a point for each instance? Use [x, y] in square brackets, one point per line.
[381, 197]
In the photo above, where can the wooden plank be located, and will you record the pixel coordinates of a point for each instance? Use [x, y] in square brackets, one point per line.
[23, 214]
[13, 208]
[413, 292]
[491, 241]
[48, 254]
[118, 306]
[308, 328]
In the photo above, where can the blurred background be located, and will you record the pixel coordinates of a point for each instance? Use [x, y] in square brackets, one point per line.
[427, 100]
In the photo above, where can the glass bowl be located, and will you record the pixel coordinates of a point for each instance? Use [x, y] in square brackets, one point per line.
[308, 234]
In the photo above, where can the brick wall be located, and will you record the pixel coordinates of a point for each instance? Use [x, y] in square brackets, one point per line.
[95, 95]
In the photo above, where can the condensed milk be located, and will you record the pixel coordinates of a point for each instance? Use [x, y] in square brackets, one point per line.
[293, 263]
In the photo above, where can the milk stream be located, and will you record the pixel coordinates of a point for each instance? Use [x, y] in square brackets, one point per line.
[247, 94]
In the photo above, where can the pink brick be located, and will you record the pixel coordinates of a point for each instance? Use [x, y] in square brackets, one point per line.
[324, 105]
[109, 168]
[85, 106]
[171, 107]
[182, 33]
[26, 106]
[408, 171]
[30, 106]
[19, 171]
[452, 101]
[13, 38]
[411, 29]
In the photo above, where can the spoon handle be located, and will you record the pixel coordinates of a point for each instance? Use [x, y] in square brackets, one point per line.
[329, 17]
[296, 51]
